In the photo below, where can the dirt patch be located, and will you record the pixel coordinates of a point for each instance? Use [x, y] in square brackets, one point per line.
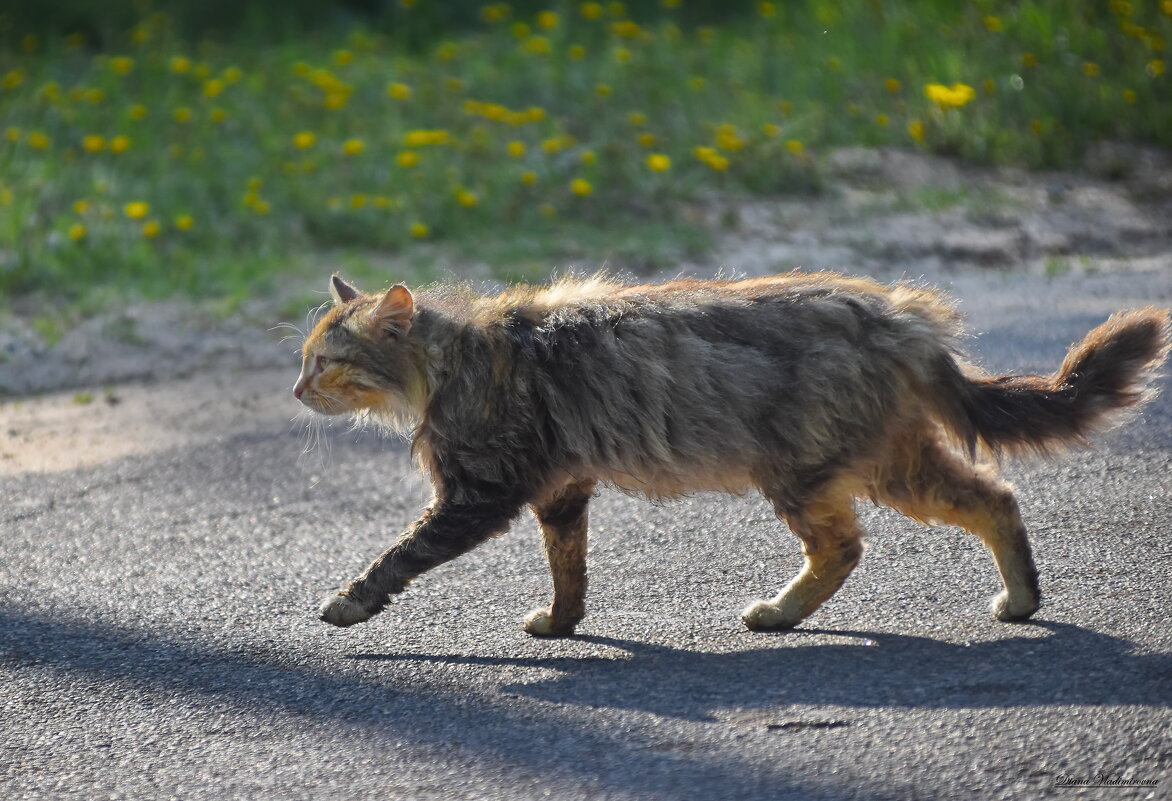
[161, 374]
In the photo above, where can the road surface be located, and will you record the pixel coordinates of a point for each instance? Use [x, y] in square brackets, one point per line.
[158, 635]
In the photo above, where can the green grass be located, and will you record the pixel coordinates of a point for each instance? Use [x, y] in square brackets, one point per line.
[159, 164]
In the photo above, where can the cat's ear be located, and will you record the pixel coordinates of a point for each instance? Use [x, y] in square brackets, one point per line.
[395, 310]
[341, 291]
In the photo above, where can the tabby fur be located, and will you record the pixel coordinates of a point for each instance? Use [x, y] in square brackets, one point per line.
[814, 389]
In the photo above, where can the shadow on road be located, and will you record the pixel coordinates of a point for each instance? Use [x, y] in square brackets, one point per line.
[1071, 665]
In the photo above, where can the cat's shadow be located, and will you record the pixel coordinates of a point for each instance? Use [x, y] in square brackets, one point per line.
[1068, 665]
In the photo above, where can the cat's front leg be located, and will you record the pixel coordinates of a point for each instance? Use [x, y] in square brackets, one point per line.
[445, 531]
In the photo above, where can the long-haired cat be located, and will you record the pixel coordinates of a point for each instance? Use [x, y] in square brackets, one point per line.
[814, 389]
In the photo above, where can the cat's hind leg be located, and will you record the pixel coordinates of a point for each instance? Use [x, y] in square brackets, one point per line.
[832, 542]
[563, 522]
[931, 484]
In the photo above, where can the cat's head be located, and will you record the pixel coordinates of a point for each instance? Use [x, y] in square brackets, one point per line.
[360, 357]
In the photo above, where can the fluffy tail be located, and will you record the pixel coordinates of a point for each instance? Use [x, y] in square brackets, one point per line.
[1107, 373]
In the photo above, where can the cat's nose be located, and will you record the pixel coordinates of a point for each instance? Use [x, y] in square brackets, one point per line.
[297, 390]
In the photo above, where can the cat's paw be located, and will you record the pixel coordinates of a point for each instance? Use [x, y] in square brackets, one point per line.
[1007, 610]
[342, 610]
[541, 623]
[765, 615]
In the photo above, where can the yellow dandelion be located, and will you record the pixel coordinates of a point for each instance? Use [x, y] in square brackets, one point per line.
[137, 111]
[497, 12]
[516, 149]
[528, 177]
[343, 57]
[419, 230]
[30, 42]
[182, 114]
[357, 201]
[213, 87]
[892, 85]
[151, 229]
[1037, 127]
[547, 210]
[180, 64]
[590, 11]
[12, 79]
[588, 157]
[136, 210]
[766, 10]
[795, 147]
[953, 96]
[1156, 67]
[38, 140]
[1129, 96]
[77, 231]
[466, 198]
[1029, 60]
[121, 65]
[201, 70]
[93, 143]
[119, 144]
[538, 45]
[261, 207]
[399, 91]
[915, 130]
[80, 207]
[304, 140]
[622, 55]
[184, 222]
[218, 115]
[335, 101]
[352, 147]
[12, 133]
[602, 90]
[93, 96]
[637, 118]
[882, 120]
[577, 52]
[646, 139]
[728, 139]
[626, 28]
[233, 74]
[407, 158]
[993, 24]
[581, 187]
[658, 162]
[697, 83]
[771, 130]
[521, 30]
[1090, 69]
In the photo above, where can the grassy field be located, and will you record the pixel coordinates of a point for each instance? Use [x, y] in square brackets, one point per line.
[160, 163]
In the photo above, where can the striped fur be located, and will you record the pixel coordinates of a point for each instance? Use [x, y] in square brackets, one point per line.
[813, 389]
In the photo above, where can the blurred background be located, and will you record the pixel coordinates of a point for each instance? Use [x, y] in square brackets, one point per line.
[221, 149]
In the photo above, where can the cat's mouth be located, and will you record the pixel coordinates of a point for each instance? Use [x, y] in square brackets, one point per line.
[321, 404]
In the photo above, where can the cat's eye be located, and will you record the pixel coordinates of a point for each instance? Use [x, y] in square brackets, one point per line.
[323, 362]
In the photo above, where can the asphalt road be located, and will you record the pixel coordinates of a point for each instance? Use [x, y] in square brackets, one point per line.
[158, 635]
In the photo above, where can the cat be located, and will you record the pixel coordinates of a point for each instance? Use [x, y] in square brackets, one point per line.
[814, 389]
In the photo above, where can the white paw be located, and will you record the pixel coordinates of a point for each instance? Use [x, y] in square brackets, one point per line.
[342, 610]
[767, 615]
[540, 623]
[1019, 608]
